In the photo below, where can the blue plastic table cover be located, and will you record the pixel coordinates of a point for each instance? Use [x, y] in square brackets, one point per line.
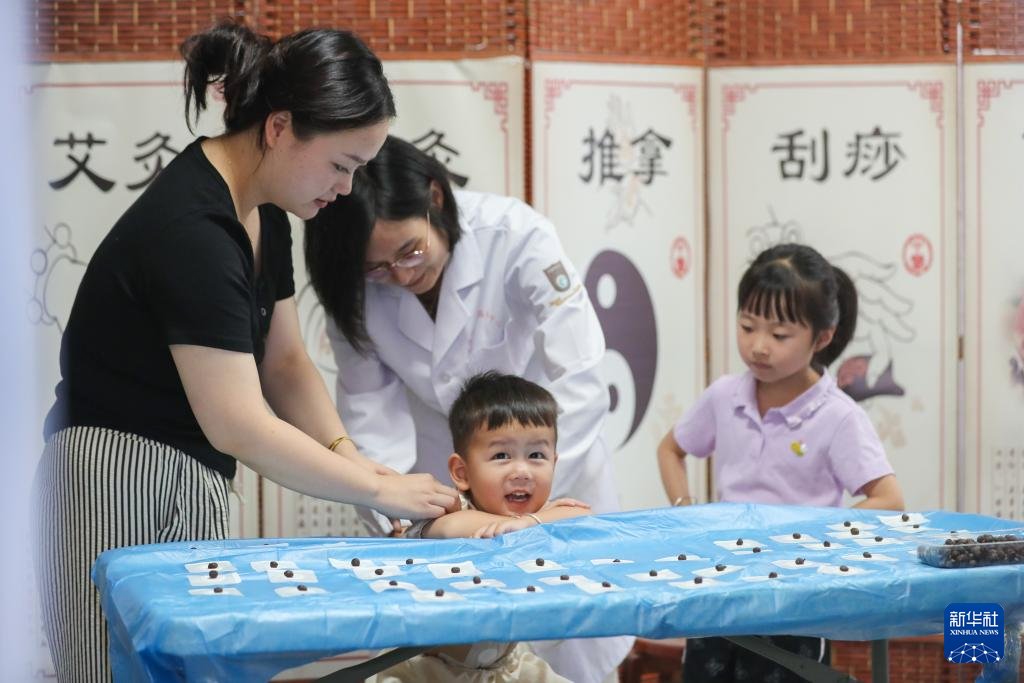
[599, 576]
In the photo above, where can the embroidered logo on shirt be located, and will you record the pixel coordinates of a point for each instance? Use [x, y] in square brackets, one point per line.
[557, 276]
[799, 448]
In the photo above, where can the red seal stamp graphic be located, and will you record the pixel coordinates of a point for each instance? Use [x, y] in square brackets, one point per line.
[681, 257]
[917, 254]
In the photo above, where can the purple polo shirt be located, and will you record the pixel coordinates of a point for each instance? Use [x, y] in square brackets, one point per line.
[804, 453]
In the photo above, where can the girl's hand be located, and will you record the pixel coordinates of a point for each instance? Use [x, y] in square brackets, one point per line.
[566, 503]
[504, 526]
[413, 496]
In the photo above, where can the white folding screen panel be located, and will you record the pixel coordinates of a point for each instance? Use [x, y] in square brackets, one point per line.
[994, 289]
[466, 113]
[101, 133]
[617, 166]
[469, 115]
[859, 162]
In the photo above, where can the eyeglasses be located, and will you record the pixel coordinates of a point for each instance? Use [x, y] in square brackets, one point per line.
[410, 260]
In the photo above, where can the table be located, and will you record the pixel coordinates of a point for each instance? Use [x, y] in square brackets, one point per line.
[625, 573]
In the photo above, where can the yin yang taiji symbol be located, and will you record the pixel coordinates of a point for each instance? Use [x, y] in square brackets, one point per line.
[626, 313]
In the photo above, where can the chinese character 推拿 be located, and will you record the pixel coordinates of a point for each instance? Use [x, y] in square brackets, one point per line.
[606, 149]
[649, 146]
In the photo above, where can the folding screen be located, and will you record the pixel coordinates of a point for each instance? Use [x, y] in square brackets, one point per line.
[617, 166]
[860, 163]
[994, 288]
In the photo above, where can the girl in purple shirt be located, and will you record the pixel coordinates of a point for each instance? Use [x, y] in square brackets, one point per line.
[782, 432]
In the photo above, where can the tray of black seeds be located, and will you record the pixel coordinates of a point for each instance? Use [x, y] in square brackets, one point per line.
[982, 551]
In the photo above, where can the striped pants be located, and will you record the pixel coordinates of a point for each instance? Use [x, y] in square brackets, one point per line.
[97, 489]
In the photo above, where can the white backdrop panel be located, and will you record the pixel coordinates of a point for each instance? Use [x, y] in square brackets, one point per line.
[617, 166]
[994, 289]
[102, 131]
[469, 115]
[858, 162]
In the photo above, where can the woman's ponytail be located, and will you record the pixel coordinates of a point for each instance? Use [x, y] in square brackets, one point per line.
[230, 55]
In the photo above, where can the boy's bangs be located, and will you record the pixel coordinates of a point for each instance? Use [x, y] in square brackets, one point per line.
[524, 413]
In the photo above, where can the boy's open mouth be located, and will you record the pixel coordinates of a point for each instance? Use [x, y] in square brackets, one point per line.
[518, 497]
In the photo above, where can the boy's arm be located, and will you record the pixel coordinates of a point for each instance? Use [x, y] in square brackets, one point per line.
[477, 524]
[566, 502]
[672, 466]
[563, 509]
[462, 524]
[504, 525]
[883, 493]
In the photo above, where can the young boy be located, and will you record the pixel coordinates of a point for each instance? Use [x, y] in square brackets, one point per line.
[504, 433]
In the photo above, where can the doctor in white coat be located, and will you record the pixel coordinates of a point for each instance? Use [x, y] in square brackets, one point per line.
[425, 288]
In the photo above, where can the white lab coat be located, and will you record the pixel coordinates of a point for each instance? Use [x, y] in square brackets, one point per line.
[498, 310]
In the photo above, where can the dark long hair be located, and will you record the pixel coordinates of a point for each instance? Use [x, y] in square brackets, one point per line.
[394, 186]
[329, 80]
[794, 283]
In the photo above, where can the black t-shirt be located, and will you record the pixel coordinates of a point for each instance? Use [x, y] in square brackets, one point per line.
[177, 268]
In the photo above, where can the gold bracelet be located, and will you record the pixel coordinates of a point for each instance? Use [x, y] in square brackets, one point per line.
[534, 518]
[343, 437]
[682, 500]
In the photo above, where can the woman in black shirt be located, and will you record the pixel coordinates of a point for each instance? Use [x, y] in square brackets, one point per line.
[185, 328]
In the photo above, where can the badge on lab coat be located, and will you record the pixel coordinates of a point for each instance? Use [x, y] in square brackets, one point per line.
[557, 276]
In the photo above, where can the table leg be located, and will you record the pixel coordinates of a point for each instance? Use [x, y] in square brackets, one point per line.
[812, 671]
[1007, 669]
[880, 661]
[360, 672]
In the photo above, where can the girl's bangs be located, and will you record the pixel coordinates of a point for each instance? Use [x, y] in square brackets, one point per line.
[772, 303]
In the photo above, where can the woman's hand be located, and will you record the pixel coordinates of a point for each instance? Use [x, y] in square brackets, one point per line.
[413, 496]
[374, 467]
[348, 450]
[504, 526]
[357, 458]
[383, 470]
